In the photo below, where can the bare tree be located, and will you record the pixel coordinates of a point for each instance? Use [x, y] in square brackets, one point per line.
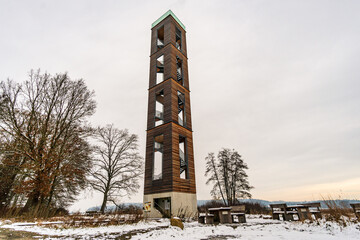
[42, 128]
[117, 164]
[227, 173]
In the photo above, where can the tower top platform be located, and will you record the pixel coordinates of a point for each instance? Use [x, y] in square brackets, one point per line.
[165, 15]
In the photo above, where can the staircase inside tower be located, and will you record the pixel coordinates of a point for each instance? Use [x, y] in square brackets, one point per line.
[178, 39]
[182, 161]
[163, 205]
[181, 108]
[160, 69]
[179, 73]
[159, 108]
[182, 158]
[160, 38]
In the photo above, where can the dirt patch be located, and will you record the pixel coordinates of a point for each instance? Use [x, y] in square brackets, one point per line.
[219, 237]
[12, 235]
[129, 234]
[8, 234]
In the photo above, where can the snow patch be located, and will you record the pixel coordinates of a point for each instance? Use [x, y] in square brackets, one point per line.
[257, 227]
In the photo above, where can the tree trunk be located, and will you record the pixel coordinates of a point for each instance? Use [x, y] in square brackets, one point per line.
[34, 199]
[217, 178]
[226, 182]
[31, 203]
[103, 206]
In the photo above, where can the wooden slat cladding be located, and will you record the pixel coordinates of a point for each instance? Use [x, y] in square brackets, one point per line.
[169, 25]
[183, 35]
[171, 180]
[170, 53]
[166, 86]
[174, 104]
[164, 184]
[170, 88]
[182, 185]
[166, 51]
[175, 53]
[171, 130]
[166, 23]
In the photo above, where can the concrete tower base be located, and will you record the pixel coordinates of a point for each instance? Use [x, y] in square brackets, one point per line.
[172, 204]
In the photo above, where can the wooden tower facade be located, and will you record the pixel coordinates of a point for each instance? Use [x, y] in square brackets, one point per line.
[169, 184]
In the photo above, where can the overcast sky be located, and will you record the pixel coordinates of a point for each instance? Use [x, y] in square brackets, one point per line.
[278, 81]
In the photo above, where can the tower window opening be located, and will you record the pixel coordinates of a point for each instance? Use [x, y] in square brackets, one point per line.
[183, 158]
[179, 72]
[160, 69]
[178, 39]
[158, 157]
[159, 108]
[160, 38]
[181, 108]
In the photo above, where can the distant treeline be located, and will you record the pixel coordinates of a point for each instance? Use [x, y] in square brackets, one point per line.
[339, 202]
[264, 203]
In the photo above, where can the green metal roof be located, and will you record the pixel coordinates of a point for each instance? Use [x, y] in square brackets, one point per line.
[164, 16]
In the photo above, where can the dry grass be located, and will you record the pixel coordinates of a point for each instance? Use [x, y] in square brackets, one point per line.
[18, 213]
[81, 220]
[100, 220]
[124, 215]
[337, 212]
[185, 214]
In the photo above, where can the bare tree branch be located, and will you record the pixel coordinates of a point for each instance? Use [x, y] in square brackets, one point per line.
[117, 164]
[227, 173]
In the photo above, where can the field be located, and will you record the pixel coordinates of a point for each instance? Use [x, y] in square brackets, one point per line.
[257, 227]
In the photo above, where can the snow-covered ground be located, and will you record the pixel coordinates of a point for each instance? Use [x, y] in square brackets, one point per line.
[255, 228]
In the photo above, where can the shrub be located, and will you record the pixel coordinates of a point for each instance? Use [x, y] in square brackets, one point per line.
[336, 212]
